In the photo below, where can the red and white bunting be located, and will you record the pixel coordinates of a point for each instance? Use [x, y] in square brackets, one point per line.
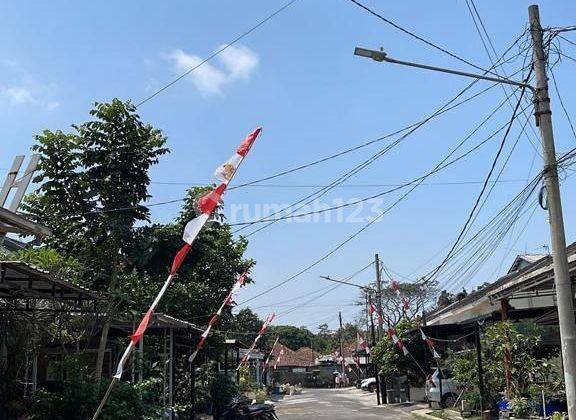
[398, 342]
[226, 171]
[278, 359]
[405, 303]
[267, 362]
[227, 301]
[362, 344]
[430, 344]
[206, 206]
[265, 325]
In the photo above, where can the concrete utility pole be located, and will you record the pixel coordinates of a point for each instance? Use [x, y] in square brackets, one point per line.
[564, 293]
[372, 330]
[341, 346]
[378, 291]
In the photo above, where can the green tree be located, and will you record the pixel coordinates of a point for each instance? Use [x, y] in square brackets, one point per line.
[92, 185]
[292, 337]
[246, 321]
[529, 362]
[391, 361]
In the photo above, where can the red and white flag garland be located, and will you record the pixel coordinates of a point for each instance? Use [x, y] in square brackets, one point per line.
[206, 206]
[372, 309]
[398, 342]
[404, 299]
[430, 344]
[391, 332]
[278, 358]
[267, 322]
[267, 362]
[362, 344]
[230, 297]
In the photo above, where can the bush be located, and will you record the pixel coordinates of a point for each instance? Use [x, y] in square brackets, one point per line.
[222, 390]
[520, 406]
[78, 397]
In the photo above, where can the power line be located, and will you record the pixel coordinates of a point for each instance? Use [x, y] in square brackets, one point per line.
[217, 52]
[441, 110]
[477, 202]
[418, 37]
[439, 183]
[354, 235]
[475, 14]
[401, 186]
[358, 168]
[562, 103]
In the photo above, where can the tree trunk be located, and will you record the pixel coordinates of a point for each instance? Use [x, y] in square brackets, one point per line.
[107, 322]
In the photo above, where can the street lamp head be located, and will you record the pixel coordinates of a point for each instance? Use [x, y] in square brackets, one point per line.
[374, 55]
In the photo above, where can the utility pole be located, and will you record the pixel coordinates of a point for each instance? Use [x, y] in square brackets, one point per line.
[373, 343]
[381, 380]
[564, 293]
[378, 291]
[480, 368]
[341, 347]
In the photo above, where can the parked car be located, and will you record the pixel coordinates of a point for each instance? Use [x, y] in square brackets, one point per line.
[368, 384]
[450, 388]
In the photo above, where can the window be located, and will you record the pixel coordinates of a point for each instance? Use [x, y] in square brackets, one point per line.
[299, 370]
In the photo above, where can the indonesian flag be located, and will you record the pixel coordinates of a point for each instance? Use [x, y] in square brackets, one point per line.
[430, 344]
[267, 322]
[397, 341]
[371, 309]
[396, 288]
[235, 289]
[361, 341]
[267, 362]
[214, 319]
[206, 206]
[265, 325]
[226, 171]
[278, 359]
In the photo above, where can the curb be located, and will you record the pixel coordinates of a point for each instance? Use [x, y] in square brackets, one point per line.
[423, 414]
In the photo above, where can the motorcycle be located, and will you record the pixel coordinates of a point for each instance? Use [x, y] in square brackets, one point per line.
[241, 409]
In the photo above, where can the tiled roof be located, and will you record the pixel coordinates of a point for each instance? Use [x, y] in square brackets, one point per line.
[301, 358]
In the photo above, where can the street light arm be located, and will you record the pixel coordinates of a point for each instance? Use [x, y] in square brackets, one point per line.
[366, 288]
[382, 56]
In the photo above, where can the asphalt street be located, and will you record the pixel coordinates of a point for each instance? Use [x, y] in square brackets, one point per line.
[338, 404]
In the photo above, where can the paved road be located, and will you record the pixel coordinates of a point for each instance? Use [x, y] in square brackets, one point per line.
[338, 404]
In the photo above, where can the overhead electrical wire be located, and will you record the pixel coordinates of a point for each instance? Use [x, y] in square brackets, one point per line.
[483, 189]
[441, 110]
[566, 114]
[472, 261]
[420, 38]
[483, 32]
[315, 195]
[399, 187]
[217, 52]
[359, 231]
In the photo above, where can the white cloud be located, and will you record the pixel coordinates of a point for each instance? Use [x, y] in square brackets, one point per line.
[240, 61]
[237, 62]
[20, 89]
[52, 105]
[17, 95]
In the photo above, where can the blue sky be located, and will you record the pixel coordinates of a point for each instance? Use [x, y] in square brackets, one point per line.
[297, 77]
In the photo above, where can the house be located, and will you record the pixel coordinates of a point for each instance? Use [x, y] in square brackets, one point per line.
[295, 367]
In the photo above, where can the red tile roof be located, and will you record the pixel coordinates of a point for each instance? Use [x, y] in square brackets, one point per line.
[302, 358]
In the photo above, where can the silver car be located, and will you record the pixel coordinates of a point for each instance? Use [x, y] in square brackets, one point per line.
[450, 388]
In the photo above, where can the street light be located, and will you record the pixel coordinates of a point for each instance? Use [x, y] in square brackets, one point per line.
[382, 56]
